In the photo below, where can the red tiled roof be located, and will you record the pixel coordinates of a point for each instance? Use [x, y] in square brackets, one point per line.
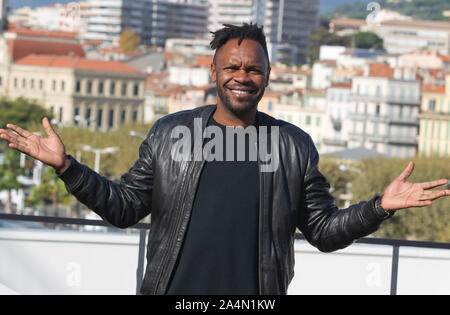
[43, 33]
[75, 63]
[381, 70]
[346, 85]
[429, 88]
[20, 48]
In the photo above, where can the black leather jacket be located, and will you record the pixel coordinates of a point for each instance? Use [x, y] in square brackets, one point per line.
[295, 196]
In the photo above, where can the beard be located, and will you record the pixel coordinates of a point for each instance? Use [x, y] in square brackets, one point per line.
[239, 109]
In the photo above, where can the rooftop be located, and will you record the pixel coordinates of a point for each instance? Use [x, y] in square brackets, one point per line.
[75, 63]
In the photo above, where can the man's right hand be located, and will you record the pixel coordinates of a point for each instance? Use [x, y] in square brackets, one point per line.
[49, 150]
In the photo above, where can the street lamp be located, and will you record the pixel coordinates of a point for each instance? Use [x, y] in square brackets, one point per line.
[98, 153]
[344, 168]
[137, 134]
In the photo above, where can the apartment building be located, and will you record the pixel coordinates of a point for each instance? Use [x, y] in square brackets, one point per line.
[415, 35]
[385, 116]
[153, 20]
[434, 136]
[337, 123]
[287, 23]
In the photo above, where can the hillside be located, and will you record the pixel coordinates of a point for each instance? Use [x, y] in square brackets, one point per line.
[418, 9]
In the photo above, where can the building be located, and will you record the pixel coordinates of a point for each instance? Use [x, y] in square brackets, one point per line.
[415, 35]
[337, 123]
[153, 20]
[385, 116]
[3, 14]
[322, 73]
[98, 94]
[287, 23]
[434, 136]
[50, 68]
[57, 17]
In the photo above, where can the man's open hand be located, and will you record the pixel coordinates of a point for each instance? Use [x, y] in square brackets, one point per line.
[49, 150]
[401, 194]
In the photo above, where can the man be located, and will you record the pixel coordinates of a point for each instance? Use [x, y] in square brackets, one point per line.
[225, 226]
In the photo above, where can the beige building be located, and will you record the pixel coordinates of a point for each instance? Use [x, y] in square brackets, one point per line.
[414, 35]
[434, 136]
[98, 94]
[50, 68]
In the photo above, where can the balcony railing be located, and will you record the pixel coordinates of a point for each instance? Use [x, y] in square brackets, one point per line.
[385, 99]
[381, 259]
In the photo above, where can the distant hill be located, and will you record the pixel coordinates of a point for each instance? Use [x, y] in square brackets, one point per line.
[328, 6]
[418, 9]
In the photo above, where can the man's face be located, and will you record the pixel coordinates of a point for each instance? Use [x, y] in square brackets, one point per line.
[241, 73]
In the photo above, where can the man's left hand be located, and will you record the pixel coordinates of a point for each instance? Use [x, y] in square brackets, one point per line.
[401, 194]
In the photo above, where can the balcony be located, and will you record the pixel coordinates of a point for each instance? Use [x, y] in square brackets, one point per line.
[378, 138]
[388, 119]
[385, 99]
[71, 260]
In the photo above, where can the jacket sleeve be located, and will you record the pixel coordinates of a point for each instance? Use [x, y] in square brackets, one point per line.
[323, 224]
[121, 204]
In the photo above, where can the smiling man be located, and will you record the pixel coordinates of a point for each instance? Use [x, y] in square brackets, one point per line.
[225, 226]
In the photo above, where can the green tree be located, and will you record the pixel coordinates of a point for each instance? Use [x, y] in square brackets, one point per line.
[367, 40]
[339, 180]
[129, 40]
[426, 224]
[21, 112]
[51, 190]
[322, 36]
[8, 175]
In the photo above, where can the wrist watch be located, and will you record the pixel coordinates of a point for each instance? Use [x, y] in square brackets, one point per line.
[387, 213]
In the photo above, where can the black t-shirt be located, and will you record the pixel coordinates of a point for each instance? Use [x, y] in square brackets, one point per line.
[220, 250]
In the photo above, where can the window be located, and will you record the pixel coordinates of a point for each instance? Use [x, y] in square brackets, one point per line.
[124, 89]
[54, 85]
[378, 91]
[76, 114]
[15, 82]
[99, 117]
[24, 83]
[318, 121]
[432, 105]
[135, 114]
[78, 86]
[60, 116]
[123, 115]
[89, 87]
[112, 88]
[63, 85]
[32, 84]
[136, 89]
[111, 118]
[377, 110]
[308, 120]
[88, 117]
[100, 88]
[41, 85]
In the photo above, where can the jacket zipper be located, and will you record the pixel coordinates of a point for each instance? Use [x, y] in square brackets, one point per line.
[177, 226]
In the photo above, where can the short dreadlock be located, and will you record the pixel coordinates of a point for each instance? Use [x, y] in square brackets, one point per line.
[250, 31]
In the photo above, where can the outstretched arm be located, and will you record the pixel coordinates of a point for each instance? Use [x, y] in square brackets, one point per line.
[49, 150]
[401, 194]
[122, 204]
[329, 229]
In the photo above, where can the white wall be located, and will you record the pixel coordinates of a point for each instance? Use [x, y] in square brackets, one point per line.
[58, 262]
